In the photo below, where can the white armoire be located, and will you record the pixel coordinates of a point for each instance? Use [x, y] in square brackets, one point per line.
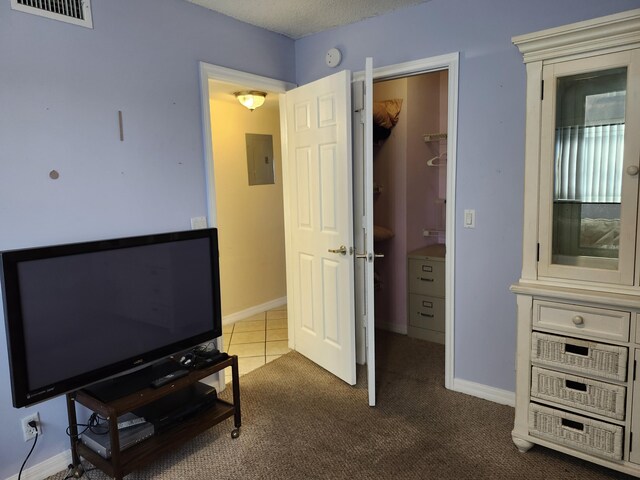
[578, 298]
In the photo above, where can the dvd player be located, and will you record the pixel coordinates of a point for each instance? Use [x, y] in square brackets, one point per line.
[99, 440]
[178, 406]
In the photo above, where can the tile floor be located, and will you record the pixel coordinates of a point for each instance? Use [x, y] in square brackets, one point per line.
[257, 340]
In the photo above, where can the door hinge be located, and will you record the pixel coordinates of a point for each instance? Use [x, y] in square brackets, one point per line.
[537, 252]
[635, 369]
[542, 90]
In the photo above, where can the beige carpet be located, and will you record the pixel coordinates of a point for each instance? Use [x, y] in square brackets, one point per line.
[300, 422]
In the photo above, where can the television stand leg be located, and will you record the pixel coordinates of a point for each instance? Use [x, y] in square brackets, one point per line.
[73, 434]
[75, 471]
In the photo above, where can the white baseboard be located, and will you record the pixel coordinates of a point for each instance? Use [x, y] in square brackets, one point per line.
[51, 466]
[392, 327]
[249, 312]
[503, 397]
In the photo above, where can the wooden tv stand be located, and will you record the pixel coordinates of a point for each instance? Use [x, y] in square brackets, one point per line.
[124, 462]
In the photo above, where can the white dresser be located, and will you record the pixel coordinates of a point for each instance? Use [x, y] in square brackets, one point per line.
[578, 297]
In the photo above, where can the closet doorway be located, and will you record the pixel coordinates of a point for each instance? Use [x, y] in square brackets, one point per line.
[412, 118]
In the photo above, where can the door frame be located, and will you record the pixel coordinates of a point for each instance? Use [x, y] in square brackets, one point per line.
[449, 62]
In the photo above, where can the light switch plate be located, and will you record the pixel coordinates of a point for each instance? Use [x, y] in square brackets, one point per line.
[469, 219]
[198, 222]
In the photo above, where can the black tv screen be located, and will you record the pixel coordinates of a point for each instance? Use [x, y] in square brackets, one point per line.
[76, 314]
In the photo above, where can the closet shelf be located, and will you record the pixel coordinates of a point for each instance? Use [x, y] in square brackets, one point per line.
[432, 137]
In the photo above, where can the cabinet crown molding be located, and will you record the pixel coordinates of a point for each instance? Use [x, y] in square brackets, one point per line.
[620, 31]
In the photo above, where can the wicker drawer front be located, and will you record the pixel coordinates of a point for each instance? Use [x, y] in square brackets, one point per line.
[580, 356]
[426, 277]
[426, 312]
[581, 320]
[579, 392]
[577, 432]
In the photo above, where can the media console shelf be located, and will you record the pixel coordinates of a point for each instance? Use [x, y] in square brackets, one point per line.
[124, 462]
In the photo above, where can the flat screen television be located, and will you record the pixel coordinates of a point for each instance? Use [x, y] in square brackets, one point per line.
[79, 313]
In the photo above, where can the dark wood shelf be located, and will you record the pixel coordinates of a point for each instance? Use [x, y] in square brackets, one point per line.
[124, 462]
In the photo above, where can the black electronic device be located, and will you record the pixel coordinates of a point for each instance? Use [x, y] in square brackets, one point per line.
[169, 377]
[99, 439]
[79, 313]
[203, 358]
[173, 408]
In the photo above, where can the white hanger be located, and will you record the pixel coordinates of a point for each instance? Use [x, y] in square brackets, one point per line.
[433, 161]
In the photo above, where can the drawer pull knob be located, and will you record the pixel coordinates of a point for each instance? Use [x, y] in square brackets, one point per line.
[578, 320]
[426, 279]
[430, 315]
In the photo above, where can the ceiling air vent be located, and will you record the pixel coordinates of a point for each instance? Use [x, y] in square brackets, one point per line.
[77, 12]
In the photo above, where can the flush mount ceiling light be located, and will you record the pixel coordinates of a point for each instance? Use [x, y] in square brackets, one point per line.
[251, 99]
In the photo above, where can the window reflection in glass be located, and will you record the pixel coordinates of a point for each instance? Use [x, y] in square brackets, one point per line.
[589, 146]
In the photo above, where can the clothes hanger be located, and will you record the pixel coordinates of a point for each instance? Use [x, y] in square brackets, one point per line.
[433, 162]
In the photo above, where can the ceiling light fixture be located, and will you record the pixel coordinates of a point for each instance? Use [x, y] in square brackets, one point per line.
[251, 99]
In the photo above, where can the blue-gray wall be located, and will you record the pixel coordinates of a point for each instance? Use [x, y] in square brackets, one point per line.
[490, 162]
[61, 87]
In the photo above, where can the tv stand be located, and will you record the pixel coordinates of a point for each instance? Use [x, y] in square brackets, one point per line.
[124, 462]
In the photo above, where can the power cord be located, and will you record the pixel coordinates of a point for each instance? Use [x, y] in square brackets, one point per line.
[95, 424]
[32, 424]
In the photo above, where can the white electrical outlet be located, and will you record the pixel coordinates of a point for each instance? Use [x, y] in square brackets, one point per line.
[28, 432]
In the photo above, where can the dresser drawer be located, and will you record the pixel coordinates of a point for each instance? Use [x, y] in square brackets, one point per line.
[575, 431]
[426, 277]
[426, 312]
[580, 356]
[581, 320]
[579, 392]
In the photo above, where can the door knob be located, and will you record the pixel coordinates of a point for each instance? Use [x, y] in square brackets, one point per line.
[369, 256]
[633, 170]
[342, 250]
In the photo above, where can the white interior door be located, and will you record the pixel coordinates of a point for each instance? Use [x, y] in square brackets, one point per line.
[318, 176]
[363, 228]
[368, 221]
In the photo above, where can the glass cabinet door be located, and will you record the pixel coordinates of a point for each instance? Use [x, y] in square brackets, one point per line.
[589, 170]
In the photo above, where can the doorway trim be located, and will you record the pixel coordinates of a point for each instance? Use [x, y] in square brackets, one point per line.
[448, 62]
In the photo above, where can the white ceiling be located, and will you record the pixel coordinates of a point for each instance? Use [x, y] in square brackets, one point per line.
[298, 18]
